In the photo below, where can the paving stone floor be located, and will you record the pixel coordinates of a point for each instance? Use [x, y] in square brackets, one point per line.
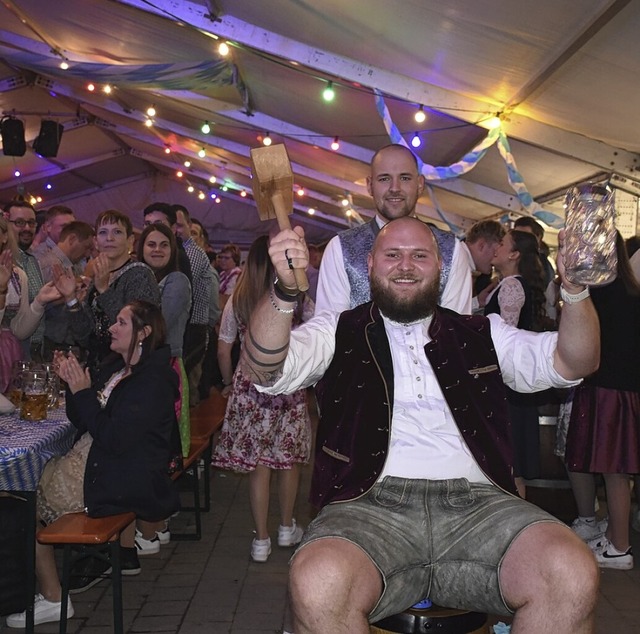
[212, 587]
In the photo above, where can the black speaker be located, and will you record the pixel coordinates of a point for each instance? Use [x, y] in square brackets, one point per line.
[13, 143]
[48, 140]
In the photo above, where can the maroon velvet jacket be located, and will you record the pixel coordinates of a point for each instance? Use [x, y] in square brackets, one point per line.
[355, 399]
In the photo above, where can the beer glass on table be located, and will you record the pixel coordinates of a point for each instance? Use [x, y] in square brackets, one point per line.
[14, 394]
[34, 395]
[53, 385]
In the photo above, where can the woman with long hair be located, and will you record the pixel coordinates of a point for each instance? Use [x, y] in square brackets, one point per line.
[18, 318]
[261, 433]
[519, 300]
[604, 429]
[158, 249]
[124, 413]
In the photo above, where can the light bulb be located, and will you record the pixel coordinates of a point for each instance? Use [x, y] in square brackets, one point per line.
[167, 150]
[223, 49]
[151, 111]
[335, 144]
[201, 152]
[64, 65]
[190, 189]
[91, 87]
[420, 116]
[212, 179]
[300, 191]
[311, 211]
[494, 122]
[348, 212]
[415, 141]
[266, 140]
[179, 174]
[344, 202]
[33, 200]
[148, 123]
[38, 199]
[107, 89]
[243, 193]
[48, 186]
[218, 199]
[17, 174]
[187, 163]
[201, 195]
[328, 94]
[224, 188]
[206, 128]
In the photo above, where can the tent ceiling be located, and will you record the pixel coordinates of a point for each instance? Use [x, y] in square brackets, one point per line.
[563, 75]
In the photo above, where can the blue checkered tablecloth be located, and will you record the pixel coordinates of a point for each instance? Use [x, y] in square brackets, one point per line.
[26, 446]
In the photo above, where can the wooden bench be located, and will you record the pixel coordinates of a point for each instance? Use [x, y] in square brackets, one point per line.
[78, 529]
[206, 419]
[199, 448]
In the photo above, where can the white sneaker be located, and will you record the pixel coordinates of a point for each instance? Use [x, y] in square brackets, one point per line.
[588, 531]
[164, 536]
[290, 535]
[43, 612]
[261, 549]
[147, 546]
[603, 549]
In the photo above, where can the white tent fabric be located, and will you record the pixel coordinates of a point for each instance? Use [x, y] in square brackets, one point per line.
[562, 77]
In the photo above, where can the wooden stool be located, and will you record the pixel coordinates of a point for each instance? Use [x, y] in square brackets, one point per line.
[78, 529]
[435, 619]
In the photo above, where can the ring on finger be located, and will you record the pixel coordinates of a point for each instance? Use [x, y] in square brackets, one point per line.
[289, 260]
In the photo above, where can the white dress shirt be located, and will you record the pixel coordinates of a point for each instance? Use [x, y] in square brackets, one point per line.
[425, 441]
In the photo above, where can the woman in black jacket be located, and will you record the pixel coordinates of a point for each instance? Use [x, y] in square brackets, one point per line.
[126, 421]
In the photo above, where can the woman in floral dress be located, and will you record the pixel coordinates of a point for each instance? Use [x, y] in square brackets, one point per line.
[261, 433]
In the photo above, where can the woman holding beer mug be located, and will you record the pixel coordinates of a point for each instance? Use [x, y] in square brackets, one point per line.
[126, 421]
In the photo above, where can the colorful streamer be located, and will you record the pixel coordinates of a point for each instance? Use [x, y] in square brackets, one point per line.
[469, 161]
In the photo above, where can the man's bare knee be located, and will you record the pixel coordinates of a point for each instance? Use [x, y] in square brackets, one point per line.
[332, 578]
[549, 576]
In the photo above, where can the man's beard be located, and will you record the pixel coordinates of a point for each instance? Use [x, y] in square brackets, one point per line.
[405, 309]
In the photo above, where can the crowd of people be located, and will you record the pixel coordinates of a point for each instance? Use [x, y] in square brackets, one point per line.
[425, 351]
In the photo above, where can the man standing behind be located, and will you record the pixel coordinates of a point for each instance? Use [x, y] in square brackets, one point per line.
[22, 220]
[482, 240]
[395, 186]
[196, 335]
[55, 220]
[73, 247]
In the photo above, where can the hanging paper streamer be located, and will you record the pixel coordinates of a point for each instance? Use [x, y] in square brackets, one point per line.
[454, 228]
[469, 161]
[517, 183]
[175, 76]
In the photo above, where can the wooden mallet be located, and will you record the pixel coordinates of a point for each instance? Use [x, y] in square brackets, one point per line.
[273, 191]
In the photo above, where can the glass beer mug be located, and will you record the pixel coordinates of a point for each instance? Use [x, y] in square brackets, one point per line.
[34, 395]
[14, 393]
[53, 385]
[590, 242]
